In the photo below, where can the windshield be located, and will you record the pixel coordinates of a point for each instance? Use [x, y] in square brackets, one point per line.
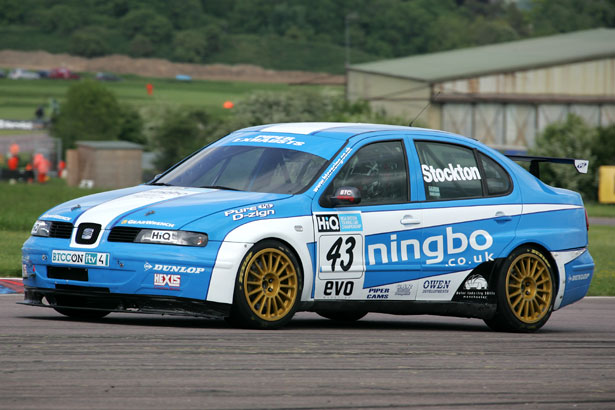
[247, 168]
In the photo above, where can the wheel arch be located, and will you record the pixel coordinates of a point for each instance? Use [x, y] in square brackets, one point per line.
[546, 253]
[240, 240]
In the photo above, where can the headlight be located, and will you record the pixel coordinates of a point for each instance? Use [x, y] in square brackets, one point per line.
[41, 228]
[172, 237]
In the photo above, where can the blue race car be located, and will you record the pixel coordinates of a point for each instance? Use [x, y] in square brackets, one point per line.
[339, 219]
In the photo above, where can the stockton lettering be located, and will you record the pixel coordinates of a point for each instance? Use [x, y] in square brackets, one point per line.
[458, 173]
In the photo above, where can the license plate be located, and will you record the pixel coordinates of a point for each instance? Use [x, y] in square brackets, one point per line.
[80, 258]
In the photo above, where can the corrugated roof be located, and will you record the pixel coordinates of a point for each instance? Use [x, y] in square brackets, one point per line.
[501, 57]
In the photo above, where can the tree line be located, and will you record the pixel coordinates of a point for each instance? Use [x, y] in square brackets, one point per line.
[286, 34]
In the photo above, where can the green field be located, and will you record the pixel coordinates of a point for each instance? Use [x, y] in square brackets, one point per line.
[20, 98]
[22, 204]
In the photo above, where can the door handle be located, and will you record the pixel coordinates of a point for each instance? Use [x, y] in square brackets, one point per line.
[409, 220]
[502, 217]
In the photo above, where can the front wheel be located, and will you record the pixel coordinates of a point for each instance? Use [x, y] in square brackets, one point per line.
[268, 287]
[525, 292]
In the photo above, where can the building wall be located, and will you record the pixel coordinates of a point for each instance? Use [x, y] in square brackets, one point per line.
[515, 126]
[106, 168]
[399, 97]
[590, 78]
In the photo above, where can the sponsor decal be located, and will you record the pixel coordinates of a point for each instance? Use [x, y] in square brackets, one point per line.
[433, 248]
[164, 236]
[256, 211]
[172, 268]
[271, 139]
[338, 288]
[434, 191]
[55, 216]
[404, 290]
[582, 276]
[339, 223]
[328, 223]
[475, 289]
[581, 165]
[436, 286]
[80, 258]
[452, 173]
[475, 282]
[163, 280]
[332, 169]
[146, 222]
[163, 193]
[378, 293]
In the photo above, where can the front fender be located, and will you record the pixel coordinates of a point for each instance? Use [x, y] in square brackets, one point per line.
[297, 232]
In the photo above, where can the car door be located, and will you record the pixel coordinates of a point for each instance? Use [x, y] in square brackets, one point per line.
[368, 250]
[470, 214]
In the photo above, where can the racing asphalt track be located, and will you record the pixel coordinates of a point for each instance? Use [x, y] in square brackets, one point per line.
[129, 361]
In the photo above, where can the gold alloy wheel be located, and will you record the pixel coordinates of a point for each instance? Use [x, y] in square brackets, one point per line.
[529, 288]
[271, 284]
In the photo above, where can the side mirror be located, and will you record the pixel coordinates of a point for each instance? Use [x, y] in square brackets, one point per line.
[346, 195]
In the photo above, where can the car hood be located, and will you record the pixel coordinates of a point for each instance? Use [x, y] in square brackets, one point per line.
[154, 207]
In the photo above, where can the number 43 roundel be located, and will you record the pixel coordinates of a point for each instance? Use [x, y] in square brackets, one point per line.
[340, 257]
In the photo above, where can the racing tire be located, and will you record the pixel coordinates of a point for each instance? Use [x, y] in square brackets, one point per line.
[341, 316]
[268, 287]
[525, 292]
[82, 313]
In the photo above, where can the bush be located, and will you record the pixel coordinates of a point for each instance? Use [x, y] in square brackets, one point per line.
[181, 132]
[572, 138]
[141, 46]
[90, 42]
[92, 112]
[147, 23]
[131, 125]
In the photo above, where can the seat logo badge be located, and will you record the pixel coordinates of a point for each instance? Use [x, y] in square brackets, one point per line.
[87, 234]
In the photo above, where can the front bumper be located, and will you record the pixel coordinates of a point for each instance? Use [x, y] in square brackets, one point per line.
[146, 270]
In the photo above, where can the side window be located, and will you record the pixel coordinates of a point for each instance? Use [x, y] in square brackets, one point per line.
[379, 171]
[449, 171]
[498, 181]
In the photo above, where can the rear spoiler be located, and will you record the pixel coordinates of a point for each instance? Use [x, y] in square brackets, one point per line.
[580, 164]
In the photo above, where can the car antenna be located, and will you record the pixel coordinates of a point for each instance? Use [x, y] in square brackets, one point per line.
[424, 108]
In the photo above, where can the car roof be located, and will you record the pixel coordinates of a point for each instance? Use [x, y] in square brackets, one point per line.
[340, 130]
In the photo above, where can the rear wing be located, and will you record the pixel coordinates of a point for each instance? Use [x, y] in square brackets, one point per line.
[580, 164]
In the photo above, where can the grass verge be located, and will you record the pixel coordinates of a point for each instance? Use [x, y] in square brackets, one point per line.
[601, 247]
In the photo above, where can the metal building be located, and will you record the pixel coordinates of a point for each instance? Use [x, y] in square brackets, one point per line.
[502, 94]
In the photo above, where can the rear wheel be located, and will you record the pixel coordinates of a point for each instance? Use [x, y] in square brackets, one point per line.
[268, 287]
[82, 313]
[340, 316]
[525, 292]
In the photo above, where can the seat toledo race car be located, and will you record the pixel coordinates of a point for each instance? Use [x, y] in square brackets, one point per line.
[335, 218]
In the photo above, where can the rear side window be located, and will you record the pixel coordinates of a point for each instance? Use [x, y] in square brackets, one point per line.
[449, 171]
[497, 180]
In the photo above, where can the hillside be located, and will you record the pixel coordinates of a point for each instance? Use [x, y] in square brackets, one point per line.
[156, 67]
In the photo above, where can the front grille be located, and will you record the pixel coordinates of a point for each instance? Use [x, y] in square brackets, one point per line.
[123, 234]
[61, 230]
[87, 233]
[57, 272]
